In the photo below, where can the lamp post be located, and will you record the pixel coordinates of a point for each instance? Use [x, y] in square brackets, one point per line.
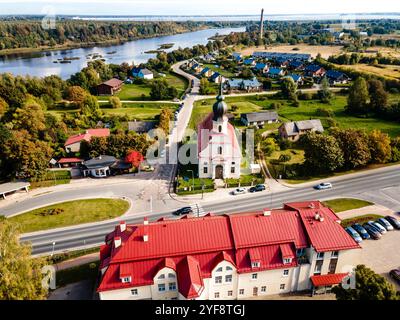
[52, 251]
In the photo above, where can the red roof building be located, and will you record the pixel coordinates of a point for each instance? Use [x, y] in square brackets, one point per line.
[243, 247]
[73, 143]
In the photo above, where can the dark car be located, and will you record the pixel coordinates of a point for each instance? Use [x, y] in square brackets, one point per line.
[362, 232]
[393, 221]
[182, 211]
[257, 188]
[376, 235]
[395, 274]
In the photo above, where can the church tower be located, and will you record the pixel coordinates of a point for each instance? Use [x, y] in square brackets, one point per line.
[220, 110]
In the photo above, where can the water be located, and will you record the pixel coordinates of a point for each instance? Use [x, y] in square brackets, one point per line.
[41, 64]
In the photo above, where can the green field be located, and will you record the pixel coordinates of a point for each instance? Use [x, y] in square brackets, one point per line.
[344, 204]
[73, 213]
[306, 110]
[141, 92]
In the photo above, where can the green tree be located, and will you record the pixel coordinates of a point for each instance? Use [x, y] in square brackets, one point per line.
[20, 274]
[30, 117]
[160, 90]
[379, 146]
[165, 118]
[204, 86]
[379, 98]
[322, 153]
[115, 102]
[289, 88]
[3, 107]
[358, 99]
[325, 93]
[368, 286]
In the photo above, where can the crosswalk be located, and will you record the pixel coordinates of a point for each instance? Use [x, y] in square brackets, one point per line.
[198, 210]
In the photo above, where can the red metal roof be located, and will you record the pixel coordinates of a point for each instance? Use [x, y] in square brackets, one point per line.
[87, 135]
[328, 279]
[211, 239]
[70, 160]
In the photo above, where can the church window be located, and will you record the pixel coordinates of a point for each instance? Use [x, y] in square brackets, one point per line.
[219, 128]
[219, 150]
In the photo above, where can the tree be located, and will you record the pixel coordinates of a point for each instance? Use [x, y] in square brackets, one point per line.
[246, 73]
[379, 146]
[135, 158]
[160, 90]
[358, 99]
[325, 94]
[289, 88]
[322, 153]
[369, 286]
[115, 102]
[76, 94]
[354, 144]
[30, 117]
[379, 98]
[20, 274]
[165, 118]
[3, 107]
[204, 86]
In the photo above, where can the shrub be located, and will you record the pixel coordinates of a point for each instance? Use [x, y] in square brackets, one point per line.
[285, 158]
[306, 96]
[322, 112]
[276, 105]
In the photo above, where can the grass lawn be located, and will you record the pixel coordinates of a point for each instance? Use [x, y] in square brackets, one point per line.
[52, 178]
[344, 204]
[141, 92]
[87, 271]
[74, 212]
[60, 257]
[306, 110]
[361, 219]
[225, 73]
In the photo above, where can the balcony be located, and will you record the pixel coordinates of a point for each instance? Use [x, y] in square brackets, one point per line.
[302, 259]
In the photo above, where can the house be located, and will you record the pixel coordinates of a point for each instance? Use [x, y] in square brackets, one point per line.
[263, 67]
[275, 72]
[259, 118]
[69, 162]
[197, 68]
[237, 56]
[109, 87]
[73, 143]
[249, 62]
[219, 152]
[293, 130]
[206, 72]
[209, 57]
[217, 78]
[296, 78]
[142, 73]
[314, 70]
[191, 63]
[299, 247]
[103, 166]
[282, 62]
[141, 126]
[281, 55]
[337, 77]
[249, 85]
[296, 65]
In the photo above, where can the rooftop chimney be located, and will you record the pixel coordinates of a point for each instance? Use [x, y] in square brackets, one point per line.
[317, 216]
[117, 242]
[266, 212]
[321, 218]
[145, 237]
[145, 221]
[122, 226]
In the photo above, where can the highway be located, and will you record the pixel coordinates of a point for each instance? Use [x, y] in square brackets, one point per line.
[93, 234]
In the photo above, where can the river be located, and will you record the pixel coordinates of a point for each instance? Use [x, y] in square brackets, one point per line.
[42, 64]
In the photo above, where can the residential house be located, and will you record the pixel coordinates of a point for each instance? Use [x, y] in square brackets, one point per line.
[216, 77]
[296, 65]
[237, 56]
[293, 130]
[197, 68]
[142, 73]
[69, 162]
[141, 126]
[298, 79]
[73, 143]
[314, 70]
[337, 77]
[281, 55]
[262, 67]
[248, 85]
[259, 118]
[191, 63]
[109, 87]
[299, 247]
[103, 166]
[206, 72]
[275, 72]
[282, 62]
[249, 62]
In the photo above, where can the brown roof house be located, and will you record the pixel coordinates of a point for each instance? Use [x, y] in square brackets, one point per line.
[109, 87]
[293, 130]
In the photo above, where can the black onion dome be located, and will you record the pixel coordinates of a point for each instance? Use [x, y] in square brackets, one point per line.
[220, 108]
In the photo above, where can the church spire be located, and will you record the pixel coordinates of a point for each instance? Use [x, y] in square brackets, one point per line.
[220, 108]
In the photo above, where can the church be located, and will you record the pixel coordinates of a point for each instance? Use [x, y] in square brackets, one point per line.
[219, 152]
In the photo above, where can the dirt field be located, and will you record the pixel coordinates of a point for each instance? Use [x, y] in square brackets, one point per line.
[390, 71]
[391, 52]
[325, 51]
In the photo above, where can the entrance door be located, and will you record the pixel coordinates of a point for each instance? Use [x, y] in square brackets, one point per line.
[219, 172]
[255, 291]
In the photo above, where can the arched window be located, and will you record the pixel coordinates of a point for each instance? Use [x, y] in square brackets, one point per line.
[219, 128]
[162, 276]
[219, 150]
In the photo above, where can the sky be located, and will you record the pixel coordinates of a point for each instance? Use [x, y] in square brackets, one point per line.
[195, 7]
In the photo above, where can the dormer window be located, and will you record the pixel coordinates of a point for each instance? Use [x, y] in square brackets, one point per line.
[219, 269]
[161, 276]
[126, 279]
[287, 260]
[255, 264]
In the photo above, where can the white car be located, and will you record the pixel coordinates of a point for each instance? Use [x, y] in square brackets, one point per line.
[324, 186]
[239, 191]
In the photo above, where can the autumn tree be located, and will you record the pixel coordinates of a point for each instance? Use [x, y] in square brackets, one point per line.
[3, 107]
[76, 94]
[165, 118]
[30, 117]
[358, 99]
[115, 102]
[379, 98]
[379, 146]
[355, 147]
[368, 286]
[135, 158]
[20, 274]
[204, 86]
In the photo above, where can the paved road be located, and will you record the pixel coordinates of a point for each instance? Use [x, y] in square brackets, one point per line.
[360, 186]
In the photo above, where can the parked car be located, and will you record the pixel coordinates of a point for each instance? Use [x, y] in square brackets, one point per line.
[395, 223]
[324, 186]
[376, 235]
[395, 274]
[257, 188]
[377, 226]
[385, 224]
[354, 234]
[182, 211]
[359, 228]
[239, 191]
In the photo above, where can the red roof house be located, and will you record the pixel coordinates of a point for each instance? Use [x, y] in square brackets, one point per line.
[73, 143]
